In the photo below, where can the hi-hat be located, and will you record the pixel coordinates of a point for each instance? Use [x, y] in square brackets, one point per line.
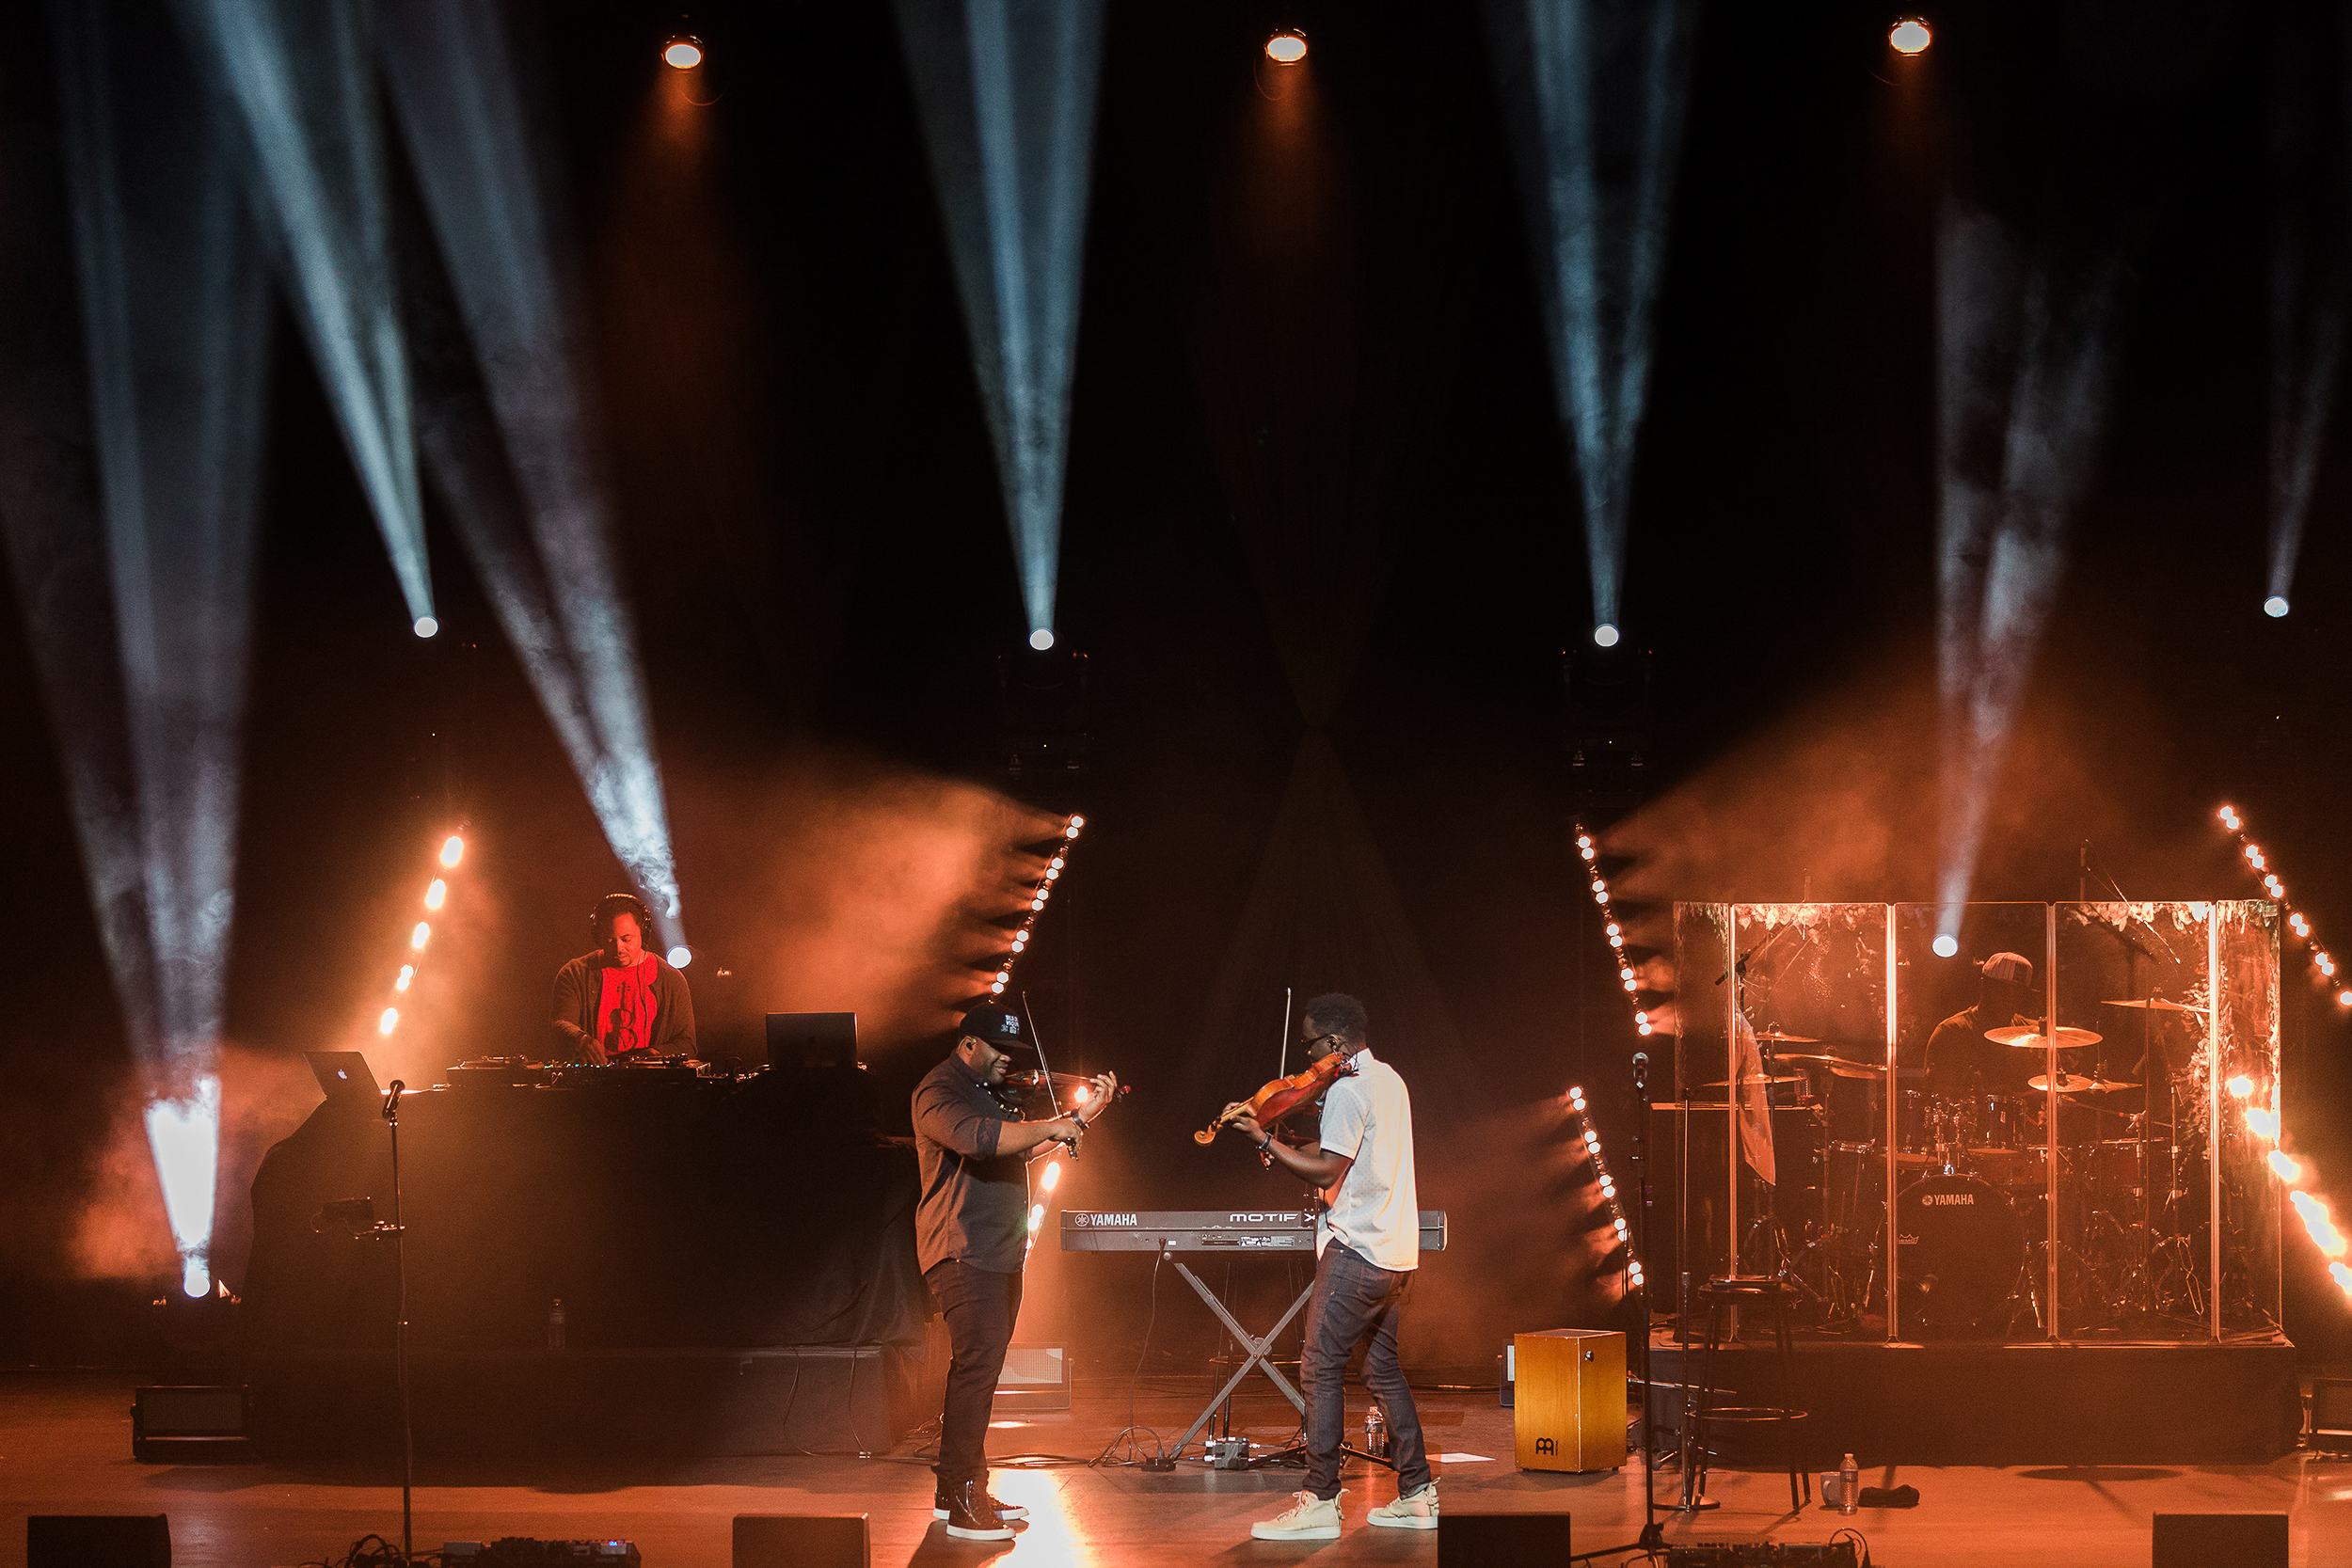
[2031, 1036]
[2070, 1083]
[2159, 1005]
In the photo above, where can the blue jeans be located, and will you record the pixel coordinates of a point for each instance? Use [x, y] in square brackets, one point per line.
[1352, 1299]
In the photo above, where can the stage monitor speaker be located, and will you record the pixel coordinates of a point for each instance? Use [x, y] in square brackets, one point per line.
[1034, 1377]
[2332, 1407]
[97, 1541]
[803, 1540]
[1568, 1404]
[190, 1424]
[2204, 1540]
[1486, 1540]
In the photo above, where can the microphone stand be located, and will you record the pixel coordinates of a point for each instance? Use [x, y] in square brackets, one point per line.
[1653, 1537]
[400, 1338]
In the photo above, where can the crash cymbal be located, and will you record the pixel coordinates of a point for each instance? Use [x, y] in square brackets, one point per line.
[2159, 1005]
[1779, 1037]
[1777, 1078]
[2071, 1082]
[2029, 1036]
[1815, 1059]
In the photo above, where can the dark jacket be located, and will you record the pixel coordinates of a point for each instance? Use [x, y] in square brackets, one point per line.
[580, 984]
[974, 1203]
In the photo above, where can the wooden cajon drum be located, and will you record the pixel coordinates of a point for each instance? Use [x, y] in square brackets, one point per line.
[1569, 1409]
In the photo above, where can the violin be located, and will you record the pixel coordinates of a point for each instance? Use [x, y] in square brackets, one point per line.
[1081, 1087]
[1284, 1096]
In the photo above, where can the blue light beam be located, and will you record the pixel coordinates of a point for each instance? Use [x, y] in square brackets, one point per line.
[174, 306]
[460, 105]
[1594, 92]
[2025, 358]
[2308, 256]
[1007, 89]
[299, 75]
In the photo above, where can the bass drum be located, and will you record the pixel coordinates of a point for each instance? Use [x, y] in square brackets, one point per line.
[1959, 1251]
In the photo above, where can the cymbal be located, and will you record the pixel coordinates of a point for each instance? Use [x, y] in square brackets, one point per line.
[1777, 1078]
[2070, 1083]
[1814, 1057]
[1777, 1037]
[2029, 1036]
[2160, 1005]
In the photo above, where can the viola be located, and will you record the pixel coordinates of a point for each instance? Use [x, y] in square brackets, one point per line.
[1284, 1096]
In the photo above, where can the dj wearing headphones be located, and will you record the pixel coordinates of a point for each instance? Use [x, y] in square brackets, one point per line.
[623, 1000]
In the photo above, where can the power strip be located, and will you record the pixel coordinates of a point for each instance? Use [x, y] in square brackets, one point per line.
[1741, 1554]
[523, 1551]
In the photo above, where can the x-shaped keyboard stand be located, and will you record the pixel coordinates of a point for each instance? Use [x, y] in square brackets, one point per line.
[1260, 1349]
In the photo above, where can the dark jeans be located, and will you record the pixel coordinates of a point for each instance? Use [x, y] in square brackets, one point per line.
[1352, 1299]
[979, 1306]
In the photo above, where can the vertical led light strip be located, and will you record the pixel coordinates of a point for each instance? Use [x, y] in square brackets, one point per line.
[436, 896]
[1038, 898]
[2321, 963]
[1581, 1127]
[1612, 929]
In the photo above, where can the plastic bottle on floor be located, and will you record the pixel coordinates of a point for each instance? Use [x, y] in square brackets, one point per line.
[1849, 1486]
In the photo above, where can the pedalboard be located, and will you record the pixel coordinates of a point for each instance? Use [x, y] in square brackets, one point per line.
[523, 1551]
[1742, 1553]
[1227, 1453]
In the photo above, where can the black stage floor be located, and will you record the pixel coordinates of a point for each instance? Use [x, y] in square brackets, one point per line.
[65, 1448]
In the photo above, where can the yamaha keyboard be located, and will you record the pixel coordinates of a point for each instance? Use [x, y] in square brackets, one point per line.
[1210, 1230]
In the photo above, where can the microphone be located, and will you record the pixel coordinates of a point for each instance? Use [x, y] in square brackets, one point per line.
[391, 1098]
[1641, 1070]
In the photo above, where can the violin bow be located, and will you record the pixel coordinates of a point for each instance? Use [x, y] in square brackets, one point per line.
[1053, 1096]
[1284, 1071]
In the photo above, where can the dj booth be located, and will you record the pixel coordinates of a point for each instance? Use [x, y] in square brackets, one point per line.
[605, 1259]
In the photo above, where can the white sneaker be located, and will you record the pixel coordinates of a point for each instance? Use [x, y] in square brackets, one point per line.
[1308, 1518]
[1413, 1511]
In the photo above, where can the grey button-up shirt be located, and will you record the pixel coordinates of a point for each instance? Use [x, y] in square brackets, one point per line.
[976, 1202]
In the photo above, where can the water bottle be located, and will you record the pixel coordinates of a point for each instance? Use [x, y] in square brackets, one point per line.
[1849, 1486]
[555, 1324]
[1375, 1433]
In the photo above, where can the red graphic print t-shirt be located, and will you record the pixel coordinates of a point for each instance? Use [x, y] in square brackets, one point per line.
[625, 1008]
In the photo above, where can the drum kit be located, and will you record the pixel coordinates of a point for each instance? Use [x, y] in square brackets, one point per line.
[1974, 1186]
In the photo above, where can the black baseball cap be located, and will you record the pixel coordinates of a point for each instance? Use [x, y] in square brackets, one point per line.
[997, 1025]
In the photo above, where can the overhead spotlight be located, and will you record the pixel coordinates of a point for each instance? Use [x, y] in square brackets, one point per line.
[1041, 639]
[454, 851]
[1287, 47]
[681, 956]
[682, 53]
[427, 626]
[1605, 635]
[1911, 35]
[2275, 607]
[1945, 944]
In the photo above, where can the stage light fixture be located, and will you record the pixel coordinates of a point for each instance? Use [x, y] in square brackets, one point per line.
[427, 626]
[2275, 607]
[1287, 47]
[680, 956]
[1911, 35]
[423, 934]
[1945, 944]
[389, 1021]
[408, 973]
[454, 851]
[2296, 921]
[682, 53]
[1605, 635]
[437, 894]
[1052, 1178]
[1040, 639]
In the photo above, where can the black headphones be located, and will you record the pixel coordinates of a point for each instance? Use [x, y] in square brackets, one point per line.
[611, 903]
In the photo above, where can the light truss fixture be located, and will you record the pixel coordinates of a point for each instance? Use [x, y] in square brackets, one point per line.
[445, 859]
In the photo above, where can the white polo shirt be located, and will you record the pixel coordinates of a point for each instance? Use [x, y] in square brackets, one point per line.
[1376, 1209]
